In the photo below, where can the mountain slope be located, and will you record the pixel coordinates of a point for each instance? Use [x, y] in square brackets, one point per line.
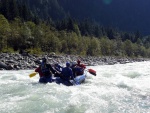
[127, 15]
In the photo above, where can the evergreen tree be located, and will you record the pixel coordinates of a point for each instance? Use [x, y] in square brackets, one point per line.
[136, 36]
[128, 48]
[5, 4]
[4, 32]
[13, 9]
[94, 47]
[25, 13]
[110, 33]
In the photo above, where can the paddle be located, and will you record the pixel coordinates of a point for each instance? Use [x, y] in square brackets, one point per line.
[91, 71]
[32, 74]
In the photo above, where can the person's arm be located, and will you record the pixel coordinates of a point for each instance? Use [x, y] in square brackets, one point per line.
[83, 66]
[52, 69]
[62, 72]
[59, 66]
[71, 74]
[37, 69]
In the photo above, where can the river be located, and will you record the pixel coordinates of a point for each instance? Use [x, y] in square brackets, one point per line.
[119, 88]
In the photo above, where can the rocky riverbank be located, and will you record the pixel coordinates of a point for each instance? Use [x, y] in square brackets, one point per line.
[25, 61]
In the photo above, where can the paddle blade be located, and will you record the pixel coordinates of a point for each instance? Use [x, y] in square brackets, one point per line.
[91, 71]
[32, 74]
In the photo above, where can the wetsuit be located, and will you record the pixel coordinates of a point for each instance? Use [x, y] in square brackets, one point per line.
[39, 71]
[47, 71]
[78, 69]
[67, 74]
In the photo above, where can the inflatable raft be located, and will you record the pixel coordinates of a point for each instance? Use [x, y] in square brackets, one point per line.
[77, 80]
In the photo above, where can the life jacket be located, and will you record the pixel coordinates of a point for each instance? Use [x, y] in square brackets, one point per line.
[67, 73]
[45, 70]
[81, 65]
[39, 71]
[78, 70]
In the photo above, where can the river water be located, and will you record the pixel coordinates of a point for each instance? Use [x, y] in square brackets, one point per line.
[119, 88]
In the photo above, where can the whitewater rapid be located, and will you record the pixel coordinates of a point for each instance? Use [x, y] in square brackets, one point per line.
[119, 88]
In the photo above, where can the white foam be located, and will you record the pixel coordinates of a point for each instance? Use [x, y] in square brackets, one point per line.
[120, 88]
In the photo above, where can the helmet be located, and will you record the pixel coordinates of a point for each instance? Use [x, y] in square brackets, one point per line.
[44, 60]
[78, 61]
[56, 64]
[67, 64]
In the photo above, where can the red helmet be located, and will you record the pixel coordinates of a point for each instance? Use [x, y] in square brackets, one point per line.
[78, 61]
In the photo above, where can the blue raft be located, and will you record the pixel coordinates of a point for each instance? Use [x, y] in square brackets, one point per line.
[77, 80]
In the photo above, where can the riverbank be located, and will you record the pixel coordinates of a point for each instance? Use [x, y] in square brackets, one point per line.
[25, 61]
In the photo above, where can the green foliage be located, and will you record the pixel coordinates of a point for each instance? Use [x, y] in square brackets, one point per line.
[15, 38]
[76, 29]
[50, 43]
[72, 43]
[8, 50]
[39, 38]
[35, 51]
[105, 46]
[117, 47]
[148, 53]
[128, 48]
[4, 25]
[12, 9]
[83, 43]
[94, 47]
[4, 32]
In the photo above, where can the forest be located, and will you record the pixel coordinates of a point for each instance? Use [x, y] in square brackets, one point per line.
[24, 26]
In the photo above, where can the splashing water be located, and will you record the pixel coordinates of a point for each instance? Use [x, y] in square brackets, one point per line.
[120, 88]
